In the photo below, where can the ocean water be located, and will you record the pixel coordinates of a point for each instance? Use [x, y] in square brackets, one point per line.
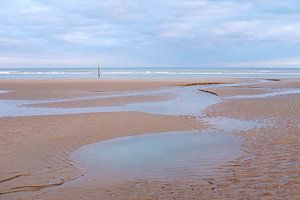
[150, 72]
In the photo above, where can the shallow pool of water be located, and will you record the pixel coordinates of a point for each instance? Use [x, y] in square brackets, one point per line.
[171, 155]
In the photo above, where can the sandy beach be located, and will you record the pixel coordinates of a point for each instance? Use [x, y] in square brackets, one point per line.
[35, 150]
[150, 100]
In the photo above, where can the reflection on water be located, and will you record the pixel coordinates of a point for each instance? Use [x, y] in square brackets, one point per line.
[188, 101]
[189, 155]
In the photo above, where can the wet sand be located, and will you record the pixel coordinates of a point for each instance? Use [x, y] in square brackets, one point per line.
[35, 151]
[271, 168]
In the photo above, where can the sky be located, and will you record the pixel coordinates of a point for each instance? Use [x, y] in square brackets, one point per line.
[155, 33]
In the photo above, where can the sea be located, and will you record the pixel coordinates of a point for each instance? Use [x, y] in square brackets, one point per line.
[148, 72]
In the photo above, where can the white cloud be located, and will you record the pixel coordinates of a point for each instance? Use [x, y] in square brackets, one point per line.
[150, 30]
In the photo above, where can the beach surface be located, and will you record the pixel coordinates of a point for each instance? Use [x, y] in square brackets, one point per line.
[36, 151]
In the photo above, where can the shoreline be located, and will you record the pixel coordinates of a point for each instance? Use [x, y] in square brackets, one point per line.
[44, 141]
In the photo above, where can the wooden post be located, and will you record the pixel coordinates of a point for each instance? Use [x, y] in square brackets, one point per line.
[99, 70]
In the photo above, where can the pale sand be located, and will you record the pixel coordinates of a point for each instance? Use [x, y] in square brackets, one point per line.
[34, 150]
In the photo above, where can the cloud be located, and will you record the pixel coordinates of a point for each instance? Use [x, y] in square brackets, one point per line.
[170, 32]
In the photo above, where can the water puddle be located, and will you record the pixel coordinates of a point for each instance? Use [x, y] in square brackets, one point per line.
[189, 101]
[186, 155]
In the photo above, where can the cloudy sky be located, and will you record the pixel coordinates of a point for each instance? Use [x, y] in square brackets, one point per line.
[206, 33]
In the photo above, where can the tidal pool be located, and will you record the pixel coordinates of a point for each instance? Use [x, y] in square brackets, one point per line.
[171, 155]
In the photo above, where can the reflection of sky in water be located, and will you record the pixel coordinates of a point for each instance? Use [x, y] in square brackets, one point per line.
[162, 155]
